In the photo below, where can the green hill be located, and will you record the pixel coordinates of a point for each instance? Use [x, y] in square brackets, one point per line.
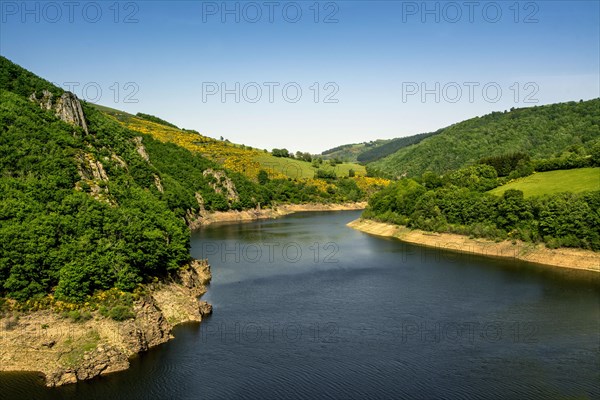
[539, 131]
[543, 183]
[88, 204]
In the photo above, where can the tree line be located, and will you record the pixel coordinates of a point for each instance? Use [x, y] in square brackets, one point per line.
[459, 203]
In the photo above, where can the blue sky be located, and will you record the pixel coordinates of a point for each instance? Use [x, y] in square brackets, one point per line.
[377, 59]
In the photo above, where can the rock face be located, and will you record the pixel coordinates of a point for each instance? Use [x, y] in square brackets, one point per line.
[67, 107]
[101, 361]
[92, 173]
[140, 148]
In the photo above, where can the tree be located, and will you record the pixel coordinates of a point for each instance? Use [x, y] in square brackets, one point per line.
[595, 153]
[280, 153]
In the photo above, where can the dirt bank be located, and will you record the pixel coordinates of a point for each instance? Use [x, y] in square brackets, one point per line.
[540, 254]
[207, 218]
[66, 352]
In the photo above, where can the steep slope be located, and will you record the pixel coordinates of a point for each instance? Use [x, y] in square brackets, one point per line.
[83, 205]
[539, 131]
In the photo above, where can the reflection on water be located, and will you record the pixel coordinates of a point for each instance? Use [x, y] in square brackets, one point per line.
[305, 307]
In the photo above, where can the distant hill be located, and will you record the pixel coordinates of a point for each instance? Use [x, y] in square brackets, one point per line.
[391, 146]
[351, 152]
[541, 132]
[374, 150]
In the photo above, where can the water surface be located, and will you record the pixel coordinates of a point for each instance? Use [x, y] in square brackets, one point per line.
[305, 307]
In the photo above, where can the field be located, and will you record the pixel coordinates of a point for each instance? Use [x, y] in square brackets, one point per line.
[541, 183]
[297, 169]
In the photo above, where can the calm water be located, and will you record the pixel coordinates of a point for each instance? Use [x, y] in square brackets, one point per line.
[305, 307]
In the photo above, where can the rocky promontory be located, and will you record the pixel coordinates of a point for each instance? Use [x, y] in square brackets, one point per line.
[65, 351]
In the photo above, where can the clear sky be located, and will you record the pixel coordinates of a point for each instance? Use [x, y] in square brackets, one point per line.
[365, 70]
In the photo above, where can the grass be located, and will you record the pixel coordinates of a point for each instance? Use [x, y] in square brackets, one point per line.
[76, 348]
[297, 169]
[542, 183]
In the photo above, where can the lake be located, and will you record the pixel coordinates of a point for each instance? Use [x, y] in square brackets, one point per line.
[305, 307]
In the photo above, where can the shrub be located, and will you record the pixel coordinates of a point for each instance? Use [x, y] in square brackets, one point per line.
[121, 313]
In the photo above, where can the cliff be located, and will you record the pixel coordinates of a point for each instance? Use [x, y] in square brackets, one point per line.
[67, 107]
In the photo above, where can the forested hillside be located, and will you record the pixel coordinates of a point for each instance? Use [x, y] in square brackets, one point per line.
[351, 152]
[392, 146]
[87, 204]
[374, 150]
[541, 132]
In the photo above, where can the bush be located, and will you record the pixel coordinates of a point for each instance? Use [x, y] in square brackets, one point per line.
[325, 174]
[121, 313]
[78, 316]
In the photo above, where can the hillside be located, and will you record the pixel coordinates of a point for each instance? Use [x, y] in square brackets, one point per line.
[90, 200]
[392, 146]
[541, 132]
[351, 152]
[551, 182]
[240, 158]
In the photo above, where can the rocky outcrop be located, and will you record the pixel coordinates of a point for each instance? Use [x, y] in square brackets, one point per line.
[158, 184]
[221, 184]
[93, 178]
[118, 160]
[91, 169]
[100, 361]
[67, 352]
[178, 300]
[141, 150]
[67, 107]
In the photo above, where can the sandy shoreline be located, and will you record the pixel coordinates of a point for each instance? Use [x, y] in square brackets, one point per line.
[207, 218]
[562, 257]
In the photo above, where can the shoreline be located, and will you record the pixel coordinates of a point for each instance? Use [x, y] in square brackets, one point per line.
[568, 258]
[207, 218]
[65, 351]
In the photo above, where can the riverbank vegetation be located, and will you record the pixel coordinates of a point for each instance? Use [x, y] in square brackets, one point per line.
[459, 202]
